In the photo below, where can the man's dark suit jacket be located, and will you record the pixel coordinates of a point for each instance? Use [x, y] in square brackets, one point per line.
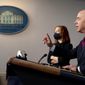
[79, 53]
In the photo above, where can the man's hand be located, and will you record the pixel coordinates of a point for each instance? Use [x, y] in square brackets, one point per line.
[47, 40]
[70, 67]
[54, 59]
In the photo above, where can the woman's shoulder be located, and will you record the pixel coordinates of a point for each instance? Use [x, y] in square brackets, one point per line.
[69, 45]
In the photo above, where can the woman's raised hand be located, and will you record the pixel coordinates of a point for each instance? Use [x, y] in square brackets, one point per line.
[47, 40]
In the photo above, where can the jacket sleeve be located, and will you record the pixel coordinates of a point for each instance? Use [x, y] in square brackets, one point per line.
[73, 53]
[48, 58]
[68, 53]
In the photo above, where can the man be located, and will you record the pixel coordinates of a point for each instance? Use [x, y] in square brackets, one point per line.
[79, 51]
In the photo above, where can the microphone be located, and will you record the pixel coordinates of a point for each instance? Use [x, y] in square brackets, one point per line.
[21, 54]
[42, 58]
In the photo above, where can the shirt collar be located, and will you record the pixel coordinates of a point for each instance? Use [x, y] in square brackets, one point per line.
[83, 42]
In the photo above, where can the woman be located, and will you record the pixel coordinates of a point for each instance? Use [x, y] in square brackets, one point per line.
[59, 50]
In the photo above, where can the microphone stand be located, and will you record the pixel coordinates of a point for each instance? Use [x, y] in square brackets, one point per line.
[42, 58]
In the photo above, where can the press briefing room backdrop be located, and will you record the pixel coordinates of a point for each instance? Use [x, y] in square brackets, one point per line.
[41, 16]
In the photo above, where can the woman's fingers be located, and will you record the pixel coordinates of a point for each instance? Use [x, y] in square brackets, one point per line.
[47, 40]
[54, 59]
[66, 67]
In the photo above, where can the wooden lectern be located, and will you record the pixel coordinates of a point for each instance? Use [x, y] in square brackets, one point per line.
[32, 73]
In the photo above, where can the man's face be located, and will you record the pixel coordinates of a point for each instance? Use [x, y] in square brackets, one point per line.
[80, 22]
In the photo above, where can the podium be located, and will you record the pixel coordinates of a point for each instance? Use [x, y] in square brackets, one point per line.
[21, 72]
